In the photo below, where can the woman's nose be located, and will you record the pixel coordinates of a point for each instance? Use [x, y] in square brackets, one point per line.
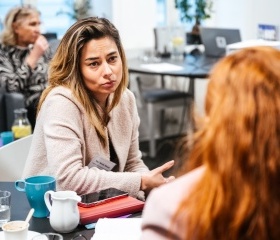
[37, 28]
[107, 69]
[37, 31]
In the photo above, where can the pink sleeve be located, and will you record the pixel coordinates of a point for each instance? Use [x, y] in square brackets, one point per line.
[161, 205]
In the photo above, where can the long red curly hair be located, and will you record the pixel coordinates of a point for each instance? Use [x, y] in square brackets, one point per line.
[238, 196]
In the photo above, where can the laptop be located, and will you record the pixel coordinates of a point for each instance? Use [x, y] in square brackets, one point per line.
[215, 40]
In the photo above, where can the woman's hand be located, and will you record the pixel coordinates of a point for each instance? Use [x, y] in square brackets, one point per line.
[154, 178]
[39, 48]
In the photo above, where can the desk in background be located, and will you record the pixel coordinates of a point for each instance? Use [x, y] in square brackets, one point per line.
[191, 67]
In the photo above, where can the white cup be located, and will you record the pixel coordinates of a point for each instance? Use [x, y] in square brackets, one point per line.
[15, 230]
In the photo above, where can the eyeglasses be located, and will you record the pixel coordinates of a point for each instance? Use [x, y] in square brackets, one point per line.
[79, 236]
[21, 10]
[56, 236]
[16, 15]
[51, 236]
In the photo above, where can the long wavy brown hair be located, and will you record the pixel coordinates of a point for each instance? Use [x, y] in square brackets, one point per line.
[238, 196]
[65, 71]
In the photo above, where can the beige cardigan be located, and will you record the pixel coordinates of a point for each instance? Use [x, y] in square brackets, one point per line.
[64, 142]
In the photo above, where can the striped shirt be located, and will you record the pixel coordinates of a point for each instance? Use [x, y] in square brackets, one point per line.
[17, 76]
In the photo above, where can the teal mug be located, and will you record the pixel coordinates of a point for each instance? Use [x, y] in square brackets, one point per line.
[35, 188]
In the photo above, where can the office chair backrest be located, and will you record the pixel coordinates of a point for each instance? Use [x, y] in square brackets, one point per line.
[53, 43]
[13, 157]
[8, 103]
[3, 124]
[50, 35]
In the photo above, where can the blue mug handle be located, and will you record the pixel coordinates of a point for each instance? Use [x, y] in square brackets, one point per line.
[20, 185]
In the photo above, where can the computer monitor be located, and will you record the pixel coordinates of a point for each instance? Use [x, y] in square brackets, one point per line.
[215, 40]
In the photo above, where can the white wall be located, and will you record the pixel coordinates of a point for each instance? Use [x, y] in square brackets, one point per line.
[233, 14]
[245, 15]
[136, 19]
[102, 8]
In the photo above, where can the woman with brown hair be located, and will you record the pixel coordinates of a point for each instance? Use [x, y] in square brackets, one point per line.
[233, 193]
[86, 134]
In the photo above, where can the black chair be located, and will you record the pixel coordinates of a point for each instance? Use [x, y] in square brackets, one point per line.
[8, 103]
[53, 43]
[159, 99]
[50, 35]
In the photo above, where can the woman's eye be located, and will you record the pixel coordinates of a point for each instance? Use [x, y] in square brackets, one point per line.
[34, 24]
[113, 59]
[93, 64]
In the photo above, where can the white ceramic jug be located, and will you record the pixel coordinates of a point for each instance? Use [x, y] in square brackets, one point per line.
[64, 212]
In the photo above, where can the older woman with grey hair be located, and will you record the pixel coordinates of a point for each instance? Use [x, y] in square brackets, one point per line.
[24, 56]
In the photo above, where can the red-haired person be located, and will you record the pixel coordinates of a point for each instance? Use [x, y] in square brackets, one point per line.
[233, 192]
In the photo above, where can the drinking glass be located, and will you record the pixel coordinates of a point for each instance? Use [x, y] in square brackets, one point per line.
[5, 207]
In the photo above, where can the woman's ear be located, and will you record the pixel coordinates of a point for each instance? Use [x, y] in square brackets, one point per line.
[15, 26]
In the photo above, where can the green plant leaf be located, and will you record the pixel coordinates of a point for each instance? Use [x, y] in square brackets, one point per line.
[200, 10]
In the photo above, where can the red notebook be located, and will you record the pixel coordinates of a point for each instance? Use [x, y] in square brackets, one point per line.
[116, 208]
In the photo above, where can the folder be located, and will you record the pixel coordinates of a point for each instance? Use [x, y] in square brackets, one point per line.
[116, 208]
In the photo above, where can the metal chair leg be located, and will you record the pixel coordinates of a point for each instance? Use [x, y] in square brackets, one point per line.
[151, 129]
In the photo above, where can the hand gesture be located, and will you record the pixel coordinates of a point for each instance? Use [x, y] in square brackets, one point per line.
[39, 48]
[154, 178]
[40, 45]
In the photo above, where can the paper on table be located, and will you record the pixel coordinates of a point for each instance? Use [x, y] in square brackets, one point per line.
[117, 229]
[162, 67]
